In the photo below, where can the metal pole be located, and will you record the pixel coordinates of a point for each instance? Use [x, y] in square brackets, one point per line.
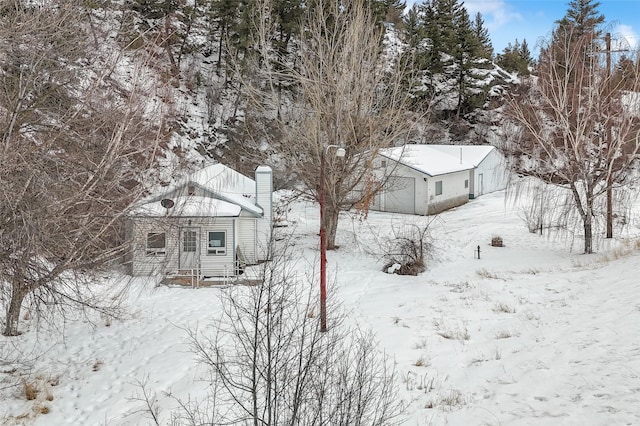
[609, 171]
[323, 250]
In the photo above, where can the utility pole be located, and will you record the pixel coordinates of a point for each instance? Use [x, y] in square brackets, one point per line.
[608, 51]
[607, 39]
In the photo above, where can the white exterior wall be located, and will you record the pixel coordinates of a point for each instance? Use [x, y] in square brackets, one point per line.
[264, 199]
[454, 191]
[494, 174]
[218, 265]
[425, 201]
[211, 265]
[384, 200]
[143, 264]
[246, 237]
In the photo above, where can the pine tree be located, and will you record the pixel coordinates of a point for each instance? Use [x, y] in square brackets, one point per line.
[515, 58]
[482, 35]
[578, 32]
[224, 15]
[413, 26]
[625, 73]
[525, 53]
[394, 10]
[582, 18]
[287, 15]
[466, 53]
[448, 47]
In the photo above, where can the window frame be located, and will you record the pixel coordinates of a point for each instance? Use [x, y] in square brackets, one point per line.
[217, 250]
[156, 244]
[438, 187]
[190, 242]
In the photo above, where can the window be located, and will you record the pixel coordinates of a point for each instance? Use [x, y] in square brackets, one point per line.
[439, 187]
[383, 163]
[156, 244]
[466, 183]
[217, 242]
[189, 241]
[191, 190]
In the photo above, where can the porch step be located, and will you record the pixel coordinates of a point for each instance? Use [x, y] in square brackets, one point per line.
[187, 281]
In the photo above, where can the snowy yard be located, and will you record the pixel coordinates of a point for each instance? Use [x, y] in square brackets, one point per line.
[531, 333]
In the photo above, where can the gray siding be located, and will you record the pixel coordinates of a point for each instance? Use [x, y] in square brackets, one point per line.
[246, 237]
[143, 264]
[217, 265]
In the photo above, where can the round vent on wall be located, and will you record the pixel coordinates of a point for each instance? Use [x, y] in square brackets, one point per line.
[167, 203]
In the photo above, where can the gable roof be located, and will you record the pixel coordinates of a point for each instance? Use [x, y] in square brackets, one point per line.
[426, 159]
[190, 206]
[473, 154]
[227, 193]
[227, 184]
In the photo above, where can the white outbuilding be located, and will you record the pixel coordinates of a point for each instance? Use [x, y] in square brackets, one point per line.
[490, 172]
[428, 179]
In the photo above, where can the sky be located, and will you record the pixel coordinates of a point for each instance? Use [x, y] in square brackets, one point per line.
[532, 333]
[533, 20]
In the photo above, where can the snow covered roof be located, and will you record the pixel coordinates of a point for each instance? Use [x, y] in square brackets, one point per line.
[427, 159]
[230, 192]
[227, 184]
[473, 154]
[190, 206]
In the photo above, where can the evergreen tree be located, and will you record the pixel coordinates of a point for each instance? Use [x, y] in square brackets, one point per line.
[413, 27]
[155, 9]
[626, 72]
[525, 53]
[578, 32]
[515, 58]
[388, 11]
[224, 15]
[447, 15]
[467, 59]
[482, 35]
[448, 47]
[582, 18]
[435, 36]
[394, 10]
[287, 15]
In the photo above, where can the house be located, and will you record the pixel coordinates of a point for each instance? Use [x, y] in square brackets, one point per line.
[490, 172]
[421, 180]
[213, 222]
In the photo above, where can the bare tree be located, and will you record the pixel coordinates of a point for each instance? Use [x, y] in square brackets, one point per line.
[271, 365]
[76, 149]
[575, 129]
[346, 92]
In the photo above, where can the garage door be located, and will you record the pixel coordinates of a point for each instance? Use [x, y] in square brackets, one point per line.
[401, 196]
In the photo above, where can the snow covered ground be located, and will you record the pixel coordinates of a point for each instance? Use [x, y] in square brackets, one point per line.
[532, 333]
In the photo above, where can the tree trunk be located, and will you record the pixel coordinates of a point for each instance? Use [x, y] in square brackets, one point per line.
[587, 222]
[18, 293]
[331, 224]
[588, 235]
[609, 207]
[586, 212]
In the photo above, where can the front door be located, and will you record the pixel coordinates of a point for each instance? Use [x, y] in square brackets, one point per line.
[189, 248]
[480, 184]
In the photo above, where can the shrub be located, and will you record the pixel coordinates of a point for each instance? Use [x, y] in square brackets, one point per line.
[405, 253]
